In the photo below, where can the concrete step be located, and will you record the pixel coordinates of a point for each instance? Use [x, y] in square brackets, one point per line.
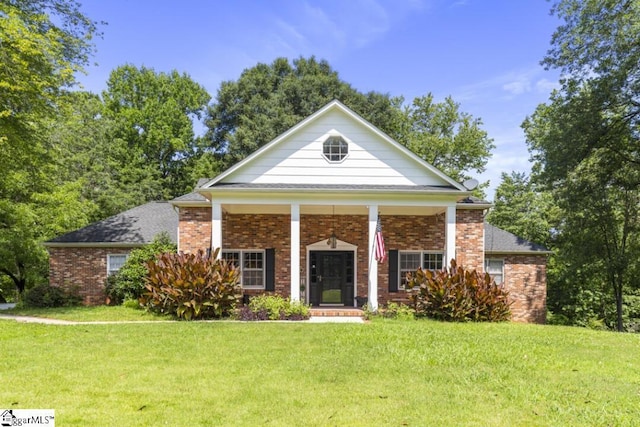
[336, 312]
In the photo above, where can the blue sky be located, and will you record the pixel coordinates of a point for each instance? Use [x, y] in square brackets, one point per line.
[484, 53]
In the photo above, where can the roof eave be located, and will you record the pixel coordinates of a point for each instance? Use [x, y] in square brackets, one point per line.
[334, 190]
[92, 245]
[522, 252]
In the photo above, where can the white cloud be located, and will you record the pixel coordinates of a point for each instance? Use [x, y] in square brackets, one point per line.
[546, 86]
[518, 87]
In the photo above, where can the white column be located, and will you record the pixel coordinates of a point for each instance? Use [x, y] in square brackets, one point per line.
[216, 227]
[295, 252]
[450, 249]
[373, 264]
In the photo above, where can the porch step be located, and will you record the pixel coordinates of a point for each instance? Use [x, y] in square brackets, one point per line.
[336, 312]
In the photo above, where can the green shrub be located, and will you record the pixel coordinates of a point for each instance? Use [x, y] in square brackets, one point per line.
[398, 311]
[456, 294]
[44, 296]
[128, 283]
[191, 286]
[274, 307]
[131, 303]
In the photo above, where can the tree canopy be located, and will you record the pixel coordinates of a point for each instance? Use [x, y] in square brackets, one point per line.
[44, 42]
[451, 140]
[586, 148]
[151, 134]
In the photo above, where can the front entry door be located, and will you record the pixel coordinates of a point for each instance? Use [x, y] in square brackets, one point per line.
[331, 278]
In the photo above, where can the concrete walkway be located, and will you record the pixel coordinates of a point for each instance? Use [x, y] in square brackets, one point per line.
[47, 321]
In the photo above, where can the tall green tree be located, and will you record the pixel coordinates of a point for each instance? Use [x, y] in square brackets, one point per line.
[599, 44]
[268, 99]
[152, 134]
[581, 154]
[523, 209]
[43, 44]
[446, 137]
[586, 144]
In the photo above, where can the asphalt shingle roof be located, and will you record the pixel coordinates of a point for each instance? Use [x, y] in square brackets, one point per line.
[497, 240]
[138, 225]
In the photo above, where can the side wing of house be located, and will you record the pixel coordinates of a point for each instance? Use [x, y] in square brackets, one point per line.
[82, 260]
[521, 266]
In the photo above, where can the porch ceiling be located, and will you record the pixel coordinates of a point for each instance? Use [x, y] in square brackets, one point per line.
[331, 209]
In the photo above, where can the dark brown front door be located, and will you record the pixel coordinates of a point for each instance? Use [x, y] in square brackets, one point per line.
[331, 278]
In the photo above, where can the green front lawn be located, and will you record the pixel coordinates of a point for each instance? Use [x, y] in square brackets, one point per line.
[100, 313]
[381, 373]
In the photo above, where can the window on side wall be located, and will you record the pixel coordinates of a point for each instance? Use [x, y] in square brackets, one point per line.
[495, 268]
[115, 263]
[251, 265]
[410, 261]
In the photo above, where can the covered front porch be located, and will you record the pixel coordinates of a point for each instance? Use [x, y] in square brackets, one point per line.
[323, 251]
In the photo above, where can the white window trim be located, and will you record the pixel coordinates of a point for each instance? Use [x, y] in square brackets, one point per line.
[486, 264]
[241, 253]
[343, 140]
[422, 254]
[110, 271]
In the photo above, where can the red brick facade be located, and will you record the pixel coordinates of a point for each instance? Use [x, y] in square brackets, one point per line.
[525, 275]
[85, 269]
[194, 228]
[526, 279]
[82, 270]
[470, 239]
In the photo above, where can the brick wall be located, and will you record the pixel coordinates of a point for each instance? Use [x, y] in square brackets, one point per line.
[526, 277]
[81, 269]
[86, 268]
[470, 239]
[262, 232]
[194, 228]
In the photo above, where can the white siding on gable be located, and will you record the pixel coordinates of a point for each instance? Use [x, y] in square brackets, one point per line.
[298, 159]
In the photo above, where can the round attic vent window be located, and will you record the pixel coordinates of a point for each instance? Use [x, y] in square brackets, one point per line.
[335, 149]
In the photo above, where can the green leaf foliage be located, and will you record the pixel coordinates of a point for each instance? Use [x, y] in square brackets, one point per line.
[274, 307]
[191, 286]
[152, 138]
[458, 295]
[46, 296]
[441, 134]
[128, 283]
[523, 208]
[43, 43]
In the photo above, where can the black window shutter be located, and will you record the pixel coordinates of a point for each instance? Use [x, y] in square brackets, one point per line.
[393, 271]
[270, 269]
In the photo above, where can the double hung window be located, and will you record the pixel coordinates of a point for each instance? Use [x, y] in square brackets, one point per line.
[410, 261]
[115, 263]
[251, 265]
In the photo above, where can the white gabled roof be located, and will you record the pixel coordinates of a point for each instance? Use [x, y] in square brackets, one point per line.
[285, 160]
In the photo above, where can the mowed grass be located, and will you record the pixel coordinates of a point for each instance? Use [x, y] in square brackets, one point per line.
[100, 313]
[389, 373]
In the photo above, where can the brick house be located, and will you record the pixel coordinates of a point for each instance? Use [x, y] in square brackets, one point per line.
[300, 216]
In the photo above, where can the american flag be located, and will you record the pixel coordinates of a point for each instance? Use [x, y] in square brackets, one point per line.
[380, 253]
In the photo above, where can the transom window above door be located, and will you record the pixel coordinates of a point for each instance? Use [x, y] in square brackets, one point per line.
[335, 149]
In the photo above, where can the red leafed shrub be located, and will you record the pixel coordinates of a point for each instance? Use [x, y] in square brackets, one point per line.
[458, 295]
[191, 286]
